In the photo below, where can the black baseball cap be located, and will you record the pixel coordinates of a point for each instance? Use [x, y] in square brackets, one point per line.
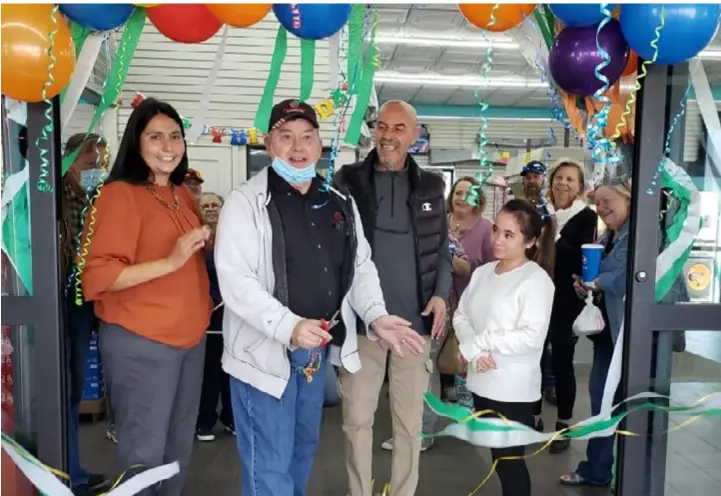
[288, 110]
[534, 167]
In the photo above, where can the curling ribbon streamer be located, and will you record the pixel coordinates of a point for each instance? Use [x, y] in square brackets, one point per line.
[669, 262]
[119, 71]
[196, 126]
[667, 142]
[83, 70]
[600, 147]
[262, 116]
[641, 74]
[43, 478]
[486, 169]
[307, 66]
[365, 87]
[43, 184]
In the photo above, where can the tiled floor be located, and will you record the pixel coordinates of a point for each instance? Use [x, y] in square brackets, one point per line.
[454, 468]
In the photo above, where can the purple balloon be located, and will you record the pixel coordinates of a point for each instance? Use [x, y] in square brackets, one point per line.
[573, 58]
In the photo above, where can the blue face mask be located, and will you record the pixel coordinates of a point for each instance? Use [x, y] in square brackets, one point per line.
[290, 173]
[91, 178]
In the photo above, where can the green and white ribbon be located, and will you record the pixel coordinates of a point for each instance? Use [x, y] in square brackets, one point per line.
[48, 483]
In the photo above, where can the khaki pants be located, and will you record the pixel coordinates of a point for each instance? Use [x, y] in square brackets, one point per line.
[359, 392]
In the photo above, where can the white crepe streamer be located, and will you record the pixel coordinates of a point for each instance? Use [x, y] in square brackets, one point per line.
[709, 113]
[81, 75]
[198, 122]
[47, 483]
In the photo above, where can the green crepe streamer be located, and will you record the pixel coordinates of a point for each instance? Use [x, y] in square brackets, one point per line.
[547, 35]
[262, 116]
[16, 237]
[121, 65]
[356, 22]
[550, 19]
[365, 89]
[307, 67]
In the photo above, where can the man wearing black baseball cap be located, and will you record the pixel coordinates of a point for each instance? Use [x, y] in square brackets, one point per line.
[295, 273]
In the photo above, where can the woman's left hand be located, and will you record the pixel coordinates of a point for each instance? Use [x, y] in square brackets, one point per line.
[485, 363]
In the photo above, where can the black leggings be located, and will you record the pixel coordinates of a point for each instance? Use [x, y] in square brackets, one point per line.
[515, 479]
[565, 376]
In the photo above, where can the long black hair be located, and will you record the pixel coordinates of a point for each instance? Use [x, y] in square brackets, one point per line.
[129, 165]
[535, 226]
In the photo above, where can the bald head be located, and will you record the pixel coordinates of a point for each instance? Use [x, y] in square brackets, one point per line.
[396, 131]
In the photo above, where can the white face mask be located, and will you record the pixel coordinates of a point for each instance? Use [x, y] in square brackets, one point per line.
[290, 173]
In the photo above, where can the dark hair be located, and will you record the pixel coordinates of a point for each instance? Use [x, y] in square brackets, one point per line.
[535, 226]
[129, 165]
[475, 185]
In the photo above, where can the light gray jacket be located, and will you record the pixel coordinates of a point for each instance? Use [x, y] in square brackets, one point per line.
[257, 327]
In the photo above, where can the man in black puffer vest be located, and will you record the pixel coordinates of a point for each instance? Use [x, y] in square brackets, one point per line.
[402, 208]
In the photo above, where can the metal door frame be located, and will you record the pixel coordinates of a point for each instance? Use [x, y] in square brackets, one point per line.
[43, 310]
[648, 352]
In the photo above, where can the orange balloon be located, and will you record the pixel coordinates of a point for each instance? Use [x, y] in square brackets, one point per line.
[507, 15]
[632, 64]
[25, 36]
[240, 15]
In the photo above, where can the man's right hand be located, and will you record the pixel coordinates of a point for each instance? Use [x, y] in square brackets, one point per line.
[309, 334]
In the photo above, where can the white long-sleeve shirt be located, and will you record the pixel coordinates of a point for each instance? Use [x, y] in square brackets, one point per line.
[505, 315]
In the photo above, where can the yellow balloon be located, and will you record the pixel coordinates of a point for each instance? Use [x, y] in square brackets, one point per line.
[147, 5]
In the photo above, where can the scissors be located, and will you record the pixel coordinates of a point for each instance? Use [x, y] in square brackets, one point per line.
[327, 325]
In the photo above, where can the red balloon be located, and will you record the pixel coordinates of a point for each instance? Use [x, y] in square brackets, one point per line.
[184, 23]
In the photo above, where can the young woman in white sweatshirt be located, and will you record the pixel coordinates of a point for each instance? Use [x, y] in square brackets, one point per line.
[501, 324]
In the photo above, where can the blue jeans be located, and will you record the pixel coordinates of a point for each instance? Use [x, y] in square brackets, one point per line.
[80, 325]
[277, 438]
[598, 466]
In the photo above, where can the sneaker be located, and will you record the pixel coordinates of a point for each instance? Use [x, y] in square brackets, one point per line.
[111, 435]
[229, 429]
[205, 435]
[426, 444]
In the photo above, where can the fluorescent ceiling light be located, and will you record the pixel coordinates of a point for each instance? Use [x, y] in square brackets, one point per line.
[501, 44]
[424, 79]
[477, 42]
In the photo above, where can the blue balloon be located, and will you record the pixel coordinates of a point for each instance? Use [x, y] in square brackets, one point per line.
[98, 17]
[580, 15]
[688, 29]
[312, 21]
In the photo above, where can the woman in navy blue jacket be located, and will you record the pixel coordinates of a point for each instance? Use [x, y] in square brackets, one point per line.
[215, 380]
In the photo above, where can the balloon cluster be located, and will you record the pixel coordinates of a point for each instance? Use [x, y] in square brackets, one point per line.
[38, 49]
[574, 55]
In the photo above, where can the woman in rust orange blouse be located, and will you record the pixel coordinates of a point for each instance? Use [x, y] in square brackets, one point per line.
[145, 271]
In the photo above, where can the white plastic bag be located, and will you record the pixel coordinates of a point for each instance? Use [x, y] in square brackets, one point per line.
[590, 320]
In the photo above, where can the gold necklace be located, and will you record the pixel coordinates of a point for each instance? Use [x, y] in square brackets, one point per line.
[151, 188]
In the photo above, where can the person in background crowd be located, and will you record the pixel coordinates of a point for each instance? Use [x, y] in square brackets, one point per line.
[613, 203]
[194, 181]
[215, 381]
[534, 177]
[295, 271]
[576, 225]
[501, 324]
[79, 184]
[402, 208]
[146, 274]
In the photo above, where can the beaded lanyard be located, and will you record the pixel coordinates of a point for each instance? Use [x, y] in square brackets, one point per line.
[316, 358]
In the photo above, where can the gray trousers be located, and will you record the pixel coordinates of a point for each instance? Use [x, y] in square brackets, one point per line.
[434, 385]
[155, 394]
